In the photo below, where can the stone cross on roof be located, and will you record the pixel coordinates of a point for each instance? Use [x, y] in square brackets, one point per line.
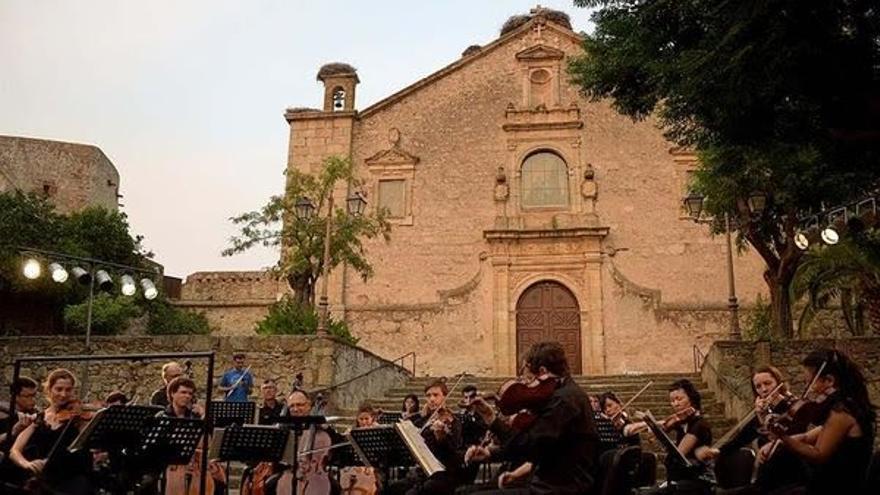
[538, 28]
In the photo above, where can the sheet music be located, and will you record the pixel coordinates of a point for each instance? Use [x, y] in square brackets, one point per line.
[412, 437]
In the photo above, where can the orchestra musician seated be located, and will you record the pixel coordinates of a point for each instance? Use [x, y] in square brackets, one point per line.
[839, 449]
[49, 435]
[559, 439]
[784, 469]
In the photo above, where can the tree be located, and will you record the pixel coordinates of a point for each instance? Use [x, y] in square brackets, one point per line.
[30, 220]
[848, 273]
[302, 239]
[771, 94]
[289, 317]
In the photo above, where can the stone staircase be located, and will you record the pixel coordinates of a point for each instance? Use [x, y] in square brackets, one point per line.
[654, 399]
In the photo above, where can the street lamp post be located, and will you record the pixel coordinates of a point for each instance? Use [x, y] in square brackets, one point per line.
[304, 209]
[694, 204]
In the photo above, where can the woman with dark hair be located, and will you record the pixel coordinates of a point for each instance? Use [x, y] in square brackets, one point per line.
[840, 449]
[627, 430]
[693, 434]
[410, 408]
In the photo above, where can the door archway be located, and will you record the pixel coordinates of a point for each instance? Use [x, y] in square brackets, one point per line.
[548, 311]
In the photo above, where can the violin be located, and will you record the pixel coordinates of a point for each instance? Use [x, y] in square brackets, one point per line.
[677, 418]
[76, 410]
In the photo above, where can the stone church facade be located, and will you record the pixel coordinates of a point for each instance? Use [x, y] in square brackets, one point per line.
[521, 211]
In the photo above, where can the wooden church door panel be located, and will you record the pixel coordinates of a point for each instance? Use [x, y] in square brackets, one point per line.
[547, 311]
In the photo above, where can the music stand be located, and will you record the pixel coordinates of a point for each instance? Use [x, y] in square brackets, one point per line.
[249, 443]
[115, 428]
[225, 413]
[666, 442]
[297, 424]
[380, 447]
[388, 418]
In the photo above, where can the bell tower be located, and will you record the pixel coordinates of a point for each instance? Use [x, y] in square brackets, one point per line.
[339, 81]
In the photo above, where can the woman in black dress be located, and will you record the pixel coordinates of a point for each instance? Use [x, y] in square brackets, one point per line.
[839, 450]
[49, 435]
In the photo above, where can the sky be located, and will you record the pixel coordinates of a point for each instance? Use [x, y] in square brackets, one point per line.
[186, 97]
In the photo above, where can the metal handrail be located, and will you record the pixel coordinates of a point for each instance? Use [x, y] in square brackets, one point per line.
[384, 365]
[700, 361]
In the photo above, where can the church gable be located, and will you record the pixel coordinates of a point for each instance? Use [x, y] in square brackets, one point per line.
[537, 28]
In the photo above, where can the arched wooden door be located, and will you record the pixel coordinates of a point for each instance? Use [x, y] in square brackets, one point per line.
[547, 311]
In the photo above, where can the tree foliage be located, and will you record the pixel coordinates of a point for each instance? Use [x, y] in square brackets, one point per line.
[847, 274]
[302, 239]
[774, 95]
[110, 314]
[165, 319]
[289, 317]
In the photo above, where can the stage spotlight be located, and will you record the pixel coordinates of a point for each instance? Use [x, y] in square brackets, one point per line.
[150, 291]
[128, 287]
[32, 269]
[81, 275]
[801, 241]
[59, 274]
[105, 283]
[830, 236]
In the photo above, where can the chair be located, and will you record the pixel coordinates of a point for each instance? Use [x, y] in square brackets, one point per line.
[621, 475]
[647, 474]
[735, 469]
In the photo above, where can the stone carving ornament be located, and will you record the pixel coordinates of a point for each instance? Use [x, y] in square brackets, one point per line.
[502, 189]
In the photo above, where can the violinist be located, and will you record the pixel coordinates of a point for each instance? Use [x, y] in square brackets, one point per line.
[442, 433]
[472, 427]
[49, 435]
[561, 442]
[771, 397]
[366, 417]
[627, 430]
[693, 435]
[839, 448]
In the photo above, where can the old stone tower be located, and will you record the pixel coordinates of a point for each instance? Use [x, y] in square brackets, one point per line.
[521, 212]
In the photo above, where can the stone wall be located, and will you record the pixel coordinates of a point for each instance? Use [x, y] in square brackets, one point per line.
[324, 362]
[72, 175]
[728, 366]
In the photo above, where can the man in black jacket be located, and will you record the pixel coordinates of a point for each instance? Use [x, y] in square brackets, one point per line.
[562, 443]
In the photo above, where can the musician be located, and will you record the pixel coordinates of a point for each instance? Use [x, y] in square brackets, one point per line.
[562, 442]
[626, 429]
[237, 381]
[170, 371]
[693, 434]
[410, 408]
[24, 391]
[473, 429]
[299, 404]
[366, 417]
[181, 391]
[270, 409]
[442, 433]
[838, 450]
[116, 398]
[51, 432]
[784, 468]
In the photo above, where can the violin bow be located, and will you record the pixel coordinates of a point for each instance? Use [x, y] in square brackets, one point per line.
[803, 396]
[742, 422]
[634, 397]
